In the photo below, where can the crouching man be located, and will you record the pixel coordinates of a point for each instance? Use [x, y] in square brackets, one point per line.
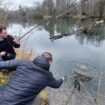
[7, 45]
[29, 78]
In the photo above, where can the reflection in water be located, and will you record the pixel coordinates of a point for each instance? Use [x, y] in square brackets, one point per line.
[69, 52]
[66, 26]
[50, 27]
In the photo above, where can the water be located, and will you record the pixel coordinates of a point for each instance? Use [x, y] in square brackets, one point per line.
[69, 52]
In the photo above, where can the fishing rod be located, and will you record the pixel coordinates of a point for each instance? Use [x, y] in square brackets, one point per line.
[50, 18]
[34, 28]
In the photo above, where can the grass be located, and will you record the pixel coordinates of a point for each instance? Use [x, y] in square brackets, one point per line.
[44, 98]
[4, 78]
[23, 54]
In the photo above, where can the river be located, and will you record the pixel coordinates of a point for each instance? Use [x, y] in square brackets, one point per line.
[69, 52]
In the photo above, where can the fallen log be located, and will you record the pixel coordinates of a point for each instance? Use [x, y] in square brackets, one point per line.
[81, 29]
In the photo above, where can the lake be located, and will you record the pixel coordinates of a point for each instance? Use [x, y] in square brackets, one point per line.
[69, 52]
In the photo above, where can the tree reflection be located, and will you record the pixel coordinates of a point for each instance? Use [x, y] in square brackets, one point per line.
[94, 36]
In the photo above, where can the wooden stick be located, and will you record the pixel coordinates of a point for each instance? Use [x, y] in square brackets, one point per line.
[50, 18]
[33, 28]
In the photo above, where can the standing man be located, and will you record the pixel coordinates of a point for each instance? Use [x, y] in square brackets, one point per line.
[7, 45]
[28, 80]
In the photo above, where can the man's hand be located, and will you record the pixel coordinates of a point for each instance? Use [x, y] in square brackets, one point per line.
[63, 78]
[16, 40]
[3, 53]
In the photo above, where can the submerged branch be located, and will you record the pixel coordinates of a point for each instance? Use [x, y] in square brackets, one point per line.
[81, 29]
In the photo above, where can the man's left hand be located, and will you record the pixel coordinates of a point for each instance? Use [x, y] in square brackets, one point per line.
[3, 53]
[16, 40]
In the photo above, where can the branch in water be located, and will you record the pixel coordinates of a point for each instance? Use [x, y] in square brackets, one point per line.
[81, 29]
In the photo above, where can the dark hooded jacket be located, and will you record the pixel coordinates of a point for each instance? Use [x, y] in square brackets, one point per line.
[7, 45]
[27, 81]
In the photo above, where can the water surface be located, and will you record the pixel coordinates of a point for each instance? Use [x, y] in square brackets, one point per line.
[68, 52]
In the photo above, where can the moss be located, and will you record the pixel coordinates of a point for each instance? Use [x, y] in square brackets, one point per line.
[4, 78]
[44, 98]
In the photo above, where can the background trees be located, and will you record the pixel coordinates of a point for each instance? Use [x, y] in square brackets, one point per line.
[89, 8]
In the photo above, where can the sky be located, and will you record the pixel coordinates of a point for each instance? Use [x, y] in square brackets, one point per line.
[16, 3]
[25, 2]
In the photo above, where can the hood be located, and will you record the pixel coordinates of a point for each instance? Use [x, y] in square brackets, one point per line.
[42, 62]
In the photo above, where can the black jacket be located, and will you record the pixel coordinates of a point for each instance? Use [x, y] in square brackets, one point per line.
[8, 45]
[28, 80]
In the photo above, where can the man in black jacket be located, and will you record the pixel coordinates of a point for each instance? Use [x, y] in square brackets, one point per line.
[29, 78]
[7, 44]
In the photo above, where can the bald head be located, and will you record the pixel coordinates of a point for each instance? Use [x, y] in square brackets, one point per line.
[48, 56]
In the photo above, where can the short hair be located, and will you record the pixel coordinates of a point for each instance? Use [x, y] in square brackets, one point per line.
[2, 27]
[48, 56]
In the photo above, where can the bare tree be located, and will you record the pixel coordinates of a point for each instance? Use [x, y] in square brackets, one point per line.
[48, 6]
